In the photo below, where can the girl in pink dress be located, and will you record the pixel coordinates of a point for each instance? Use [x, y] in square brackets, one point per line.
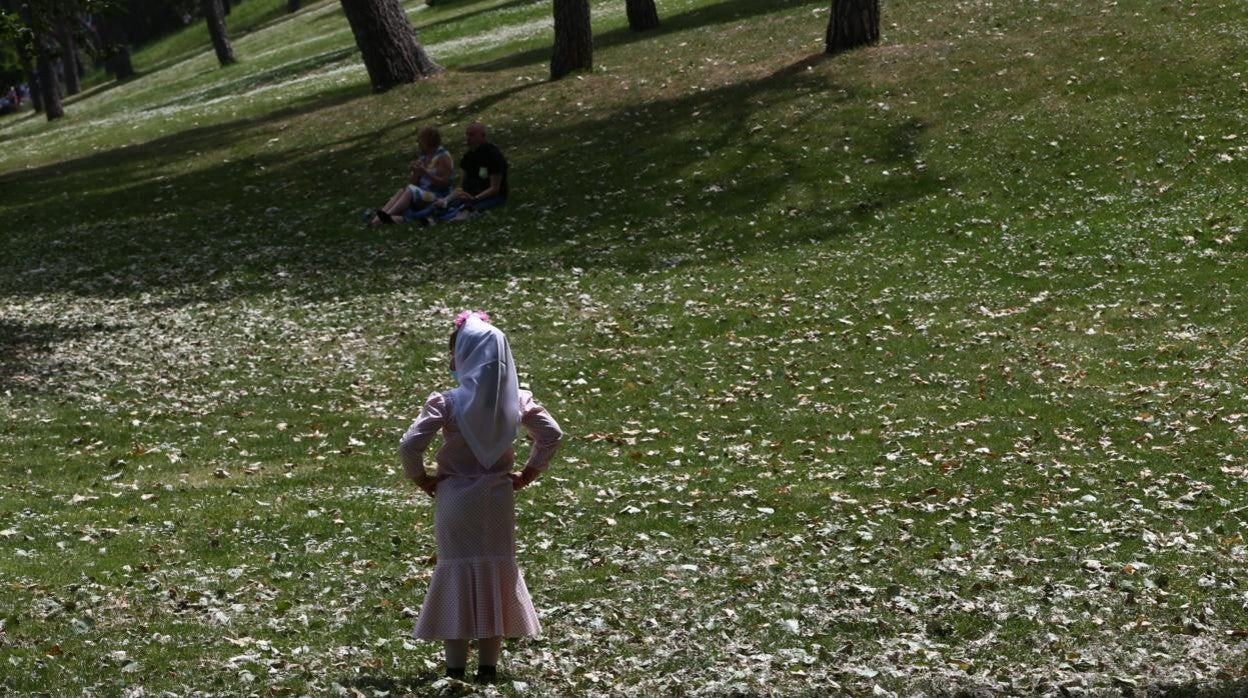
[477, 591]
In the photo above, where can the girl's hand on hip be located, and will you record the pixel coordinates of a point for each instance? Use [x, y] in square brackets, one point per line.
[522, 479]
[430, 484]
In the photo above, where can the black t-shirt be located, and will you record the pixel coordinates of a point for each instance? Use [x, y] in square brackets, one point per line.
[479, 164]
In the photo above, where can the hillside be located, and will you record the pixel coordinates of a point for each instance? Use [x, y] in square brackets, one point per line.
[916, 370]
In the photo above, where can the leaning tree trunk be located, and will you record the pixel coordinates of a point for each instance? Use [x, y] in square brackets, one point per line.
[392, 52]
[215, 16]
[853, 23]
[574, 40]
[642, 14]
[69, 56]
[49, 89]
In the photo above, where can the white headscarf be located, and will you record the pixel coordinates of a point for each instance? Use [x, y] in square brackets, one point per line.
[486, 405]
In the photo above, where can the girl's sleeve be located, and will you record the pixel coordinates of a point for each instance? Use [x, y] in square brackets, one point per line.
[544, 431]
[413, 444]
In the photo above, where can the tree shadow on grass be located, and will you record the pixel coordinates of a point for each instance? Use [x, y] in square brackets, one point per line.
[469, 15]
[97, 192]
[396, 685]
[1231, 689]
[23, 347]
[252, 80]
[705, 16]
[96, 91]
[603, 191]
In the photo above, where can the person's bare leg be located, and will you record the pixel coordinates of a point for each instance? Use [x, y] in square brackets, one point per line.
[393, 202]
[399, 204]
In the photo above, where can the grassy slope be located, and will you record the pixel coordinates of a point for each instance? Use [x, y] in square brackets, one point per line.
[918, 367]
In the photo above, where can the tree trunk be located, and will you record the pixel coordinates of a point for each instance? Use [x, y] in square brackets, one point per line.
[116, 50]
[214, 14]
[392, 52]
[36, 93]
[69, 56]
[27, 64]
[50, 91]
[292, 5]
[642, 14]
[853, 23]
[574, 39]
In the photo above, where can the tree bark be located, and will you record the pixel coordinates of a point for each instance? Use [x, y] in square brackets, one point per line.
[642, 14]
[574, 39]
[36, 93]
[50, 91]
[853, 23]
[392, 52]
[28, 67]
[69, 56]
[116, 51]
[214, 14]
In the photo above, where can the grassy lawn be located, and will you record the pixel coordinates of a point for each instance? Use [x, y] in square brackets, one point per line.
[918, 370]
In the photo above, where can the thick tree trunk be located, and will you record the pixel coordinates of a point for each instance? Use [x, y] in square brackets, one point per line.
[214, 14]
[574, 39]
[642, 14]
[119, 63]
[50, 91]
[853, 23]
[392, 52]
[69, 56]
[292, 5]
[116, 49]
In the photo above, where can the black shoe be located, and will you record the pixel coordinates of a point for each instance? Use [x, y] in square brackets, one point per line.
[457, 673]
[486, 674]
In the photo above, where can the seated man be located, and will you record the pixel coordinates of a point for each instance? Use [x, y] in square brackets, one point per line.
[483, 185]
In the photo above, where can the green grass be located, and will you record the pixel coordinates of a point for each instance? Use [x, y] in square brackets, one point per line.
[919, 367]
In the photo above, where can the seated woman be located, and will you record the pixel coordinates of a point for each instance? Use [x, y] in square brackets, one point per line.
[430, 181]
[484, 184]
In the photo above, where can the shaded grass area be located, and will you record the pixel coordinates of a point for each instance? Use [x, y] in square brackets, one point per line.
[207, 194]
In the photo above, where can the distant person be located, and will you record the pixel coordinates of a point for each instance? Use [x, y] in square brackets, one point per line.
[430, 179]
[477, 591]
[483, 185]
[10, 101]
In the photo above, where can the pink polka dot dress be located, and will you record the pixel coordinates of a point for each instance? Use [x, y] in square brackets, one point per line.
[477, 590]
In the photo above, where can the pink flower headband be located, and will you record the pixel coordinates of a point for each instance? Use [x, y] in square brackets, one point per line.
[463, 317]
